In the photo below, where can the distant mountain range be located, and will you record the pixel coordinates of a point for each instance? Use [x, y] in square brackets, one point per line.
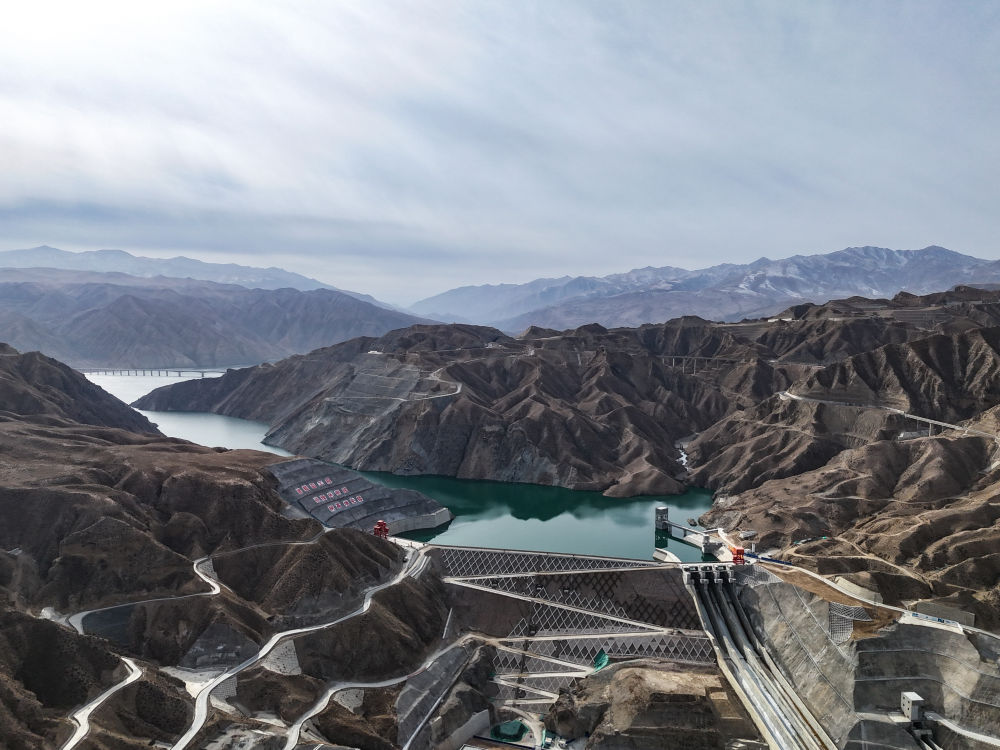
[92, 319]
[725, 292]
[119, 261]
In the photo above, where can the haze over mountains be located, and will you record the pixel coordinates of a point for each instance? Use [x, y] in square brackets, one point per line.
[725, 292]
[110, 308]
[119, 261]
[807, 425]
[90, 319]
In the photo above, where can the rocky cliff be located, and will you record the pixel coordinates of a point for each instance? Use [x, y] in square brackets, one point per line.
[589, 408]
[35, 385]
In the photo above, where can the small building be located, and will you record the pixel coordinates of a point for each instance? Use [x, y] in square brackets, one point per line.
[912, 705]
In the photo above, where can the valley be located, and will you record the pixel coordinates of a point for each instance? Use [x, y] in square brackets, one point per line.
[478, 375]
[531, 517]
[203, 607]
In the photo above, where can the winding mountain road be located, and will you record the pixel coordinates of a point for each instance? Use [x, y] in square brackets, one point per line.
[204, 694]
[82, 715]
[76, 620]
[295, 731]
[414, 567]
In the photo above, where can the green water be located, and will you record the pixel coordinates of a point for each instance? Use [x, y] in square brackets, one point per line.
[549, 519]
[487, 514]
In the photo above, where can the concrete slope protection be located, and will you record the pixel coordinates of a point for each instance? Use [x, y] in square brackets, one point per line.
[338, 497]
[785, 724]
[851, 669]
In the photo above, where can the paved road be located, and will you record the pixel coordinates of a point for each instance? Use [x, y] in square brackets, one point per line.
[76, 620]
[786, 396]
[294, 732]
[82, 715]
[916, 617]
[202, 698]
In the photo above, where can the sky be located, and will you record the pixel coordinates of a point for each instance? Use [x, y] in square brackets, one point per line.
[404, 148]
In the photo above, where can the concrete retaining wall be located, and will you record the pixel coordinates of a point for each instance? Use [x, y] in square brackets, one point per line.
[793, 625]
[957, 674]
[423, 521]
[478, 723]
[934, 609]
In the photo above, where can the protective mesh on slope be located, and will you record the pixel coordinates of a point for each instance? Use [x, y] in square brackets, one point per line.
[225, 690]
[664, 603]
[553, 620]
[208, 568]
[283, 659]
[754, 575]
[842, 619]
[517, 662]
[461, 561]
[527, 585]
[582, 651]
[688, 648]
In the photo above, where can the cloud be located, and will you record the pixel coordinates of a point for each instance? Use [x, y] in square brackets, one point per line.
[421, 145]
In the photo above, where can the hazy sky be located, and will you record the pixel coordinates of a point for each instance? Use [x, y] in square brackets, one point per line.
[402, 148]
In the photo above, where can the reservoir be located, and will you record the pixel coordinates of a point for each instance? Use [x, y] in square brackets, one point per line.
[487, 514]
[205, 429]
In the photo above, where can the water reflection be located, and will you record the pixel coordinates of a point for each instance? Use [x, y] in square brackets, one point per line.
[487, 514]
[553, 519]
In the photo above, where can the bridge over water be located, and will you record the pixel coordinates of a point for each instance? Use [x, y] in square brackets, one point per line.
[175, 372]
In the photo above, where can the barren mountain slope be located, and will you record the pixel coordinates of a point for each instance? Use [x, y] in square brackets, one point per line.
[33, 384]
[948, 378]
[913, 519]
[115, 320]
[589, 408]
[92, 515]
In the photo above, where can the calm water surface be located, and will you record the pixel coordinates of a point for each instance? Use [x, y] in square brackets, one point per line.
[198, 427]
[487, 514]
[551, 519]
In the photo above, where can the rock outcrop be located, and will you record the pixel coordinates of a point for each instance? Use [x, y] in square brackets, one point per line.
[651, 704]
